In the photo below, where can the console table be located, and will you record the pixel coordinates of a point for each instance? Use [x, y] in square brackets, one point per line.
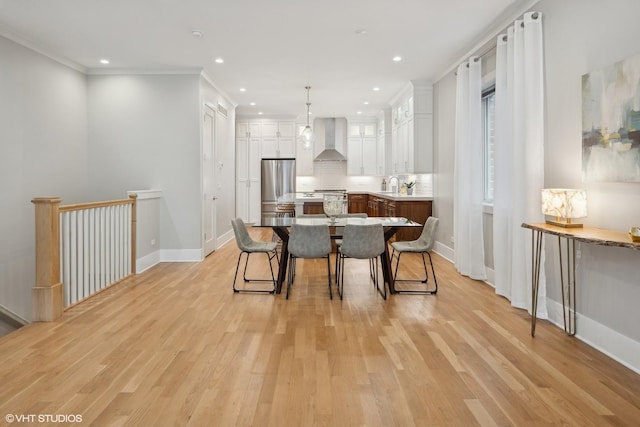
[595, 236]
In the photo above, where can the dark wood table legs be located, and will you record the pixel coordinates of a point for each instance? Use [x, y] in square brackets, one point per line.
[386, 259]
[283, 233]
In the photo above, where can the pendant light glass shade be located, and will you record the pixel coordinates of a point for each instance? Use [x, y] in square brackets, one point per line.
[307, 136]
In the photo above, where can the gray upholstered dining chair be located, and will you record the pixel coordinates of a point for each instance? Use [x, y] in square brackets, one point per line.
[248, 246]
[340, 231]
[364, 241]
[422, 245]
[309, 241]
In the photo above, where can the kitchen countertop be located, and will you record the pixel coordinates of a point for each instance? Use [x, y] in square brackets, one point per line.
[319, 197]
[398, 197]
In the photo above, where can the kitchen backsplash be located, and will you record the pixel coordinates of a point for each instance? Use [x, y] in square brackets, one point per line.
[333, 175]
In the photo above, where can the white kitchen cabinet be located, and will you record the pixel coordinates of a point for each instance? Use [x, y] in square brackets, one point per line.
[278, 139]
[304, 156]
[383, 145]
[412, 130]
[362, 148]
[257, 139]
[248, 155]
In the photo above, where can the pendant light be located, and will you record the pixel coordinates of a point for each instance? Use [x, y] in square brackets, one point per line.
[307, 136]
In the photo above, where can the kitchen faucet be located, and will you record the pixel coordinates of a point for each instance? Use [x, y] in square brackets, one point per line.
[394, 188]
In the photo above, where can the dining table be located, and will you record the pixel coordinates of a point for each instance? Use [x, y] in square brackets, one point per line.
[390, 225]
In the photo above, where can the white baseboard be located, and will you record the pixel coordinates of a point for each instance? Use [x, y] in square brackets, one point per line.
[146, 262]
[168, 255]
[177, 255]
[604, 339]
[226, 237]
[444, 251]
[491, 277]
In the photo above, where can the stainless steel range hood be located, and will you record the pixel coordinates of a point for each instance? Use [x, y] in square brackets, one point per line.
[331, 138]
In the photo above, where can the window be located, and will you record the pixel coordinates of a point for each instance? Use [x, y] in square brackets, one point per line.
[488, 120]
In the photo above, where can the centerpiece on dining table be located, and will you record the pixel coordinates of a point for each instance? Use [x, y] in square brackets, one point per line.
[334, 204]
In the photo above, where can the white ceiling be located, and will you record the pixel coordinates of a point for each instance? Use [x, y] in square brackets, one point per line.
[273, 48]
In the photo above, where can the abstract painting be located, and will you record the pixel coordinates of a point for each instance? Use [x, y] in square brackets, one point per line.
[611, 123]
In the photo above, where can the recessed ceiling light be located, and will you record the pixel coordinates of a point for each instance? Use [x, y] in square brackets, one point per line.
[397, 58]
[361, 31]
[375, 89]
[219, 60]
[104, 61]
[259, 113]
[197, 33]
[252, 104]
[243, 89]
[366, 102]
[359, 112]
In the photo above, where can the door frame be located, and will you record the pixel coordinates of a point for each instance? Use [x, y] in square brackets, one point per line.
[209, 194]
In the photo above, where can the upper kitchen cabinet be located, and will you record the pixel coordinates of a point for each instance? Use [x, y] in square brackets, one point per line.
[383, 144]
[304, 156]
[257, 139]
[278, 139]
[412, 130]
[362, 147]
[248, 154]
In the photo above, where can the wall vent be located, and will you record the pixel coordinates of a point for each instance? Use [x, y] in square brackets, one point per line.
[222, 110]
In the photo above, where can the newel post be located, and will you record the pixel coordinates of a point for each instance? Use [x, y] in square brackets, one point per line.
[47, 292]
[134, 224]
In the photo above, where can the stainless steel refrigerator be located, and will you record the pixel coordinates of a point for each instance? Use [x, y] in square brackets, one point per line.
[278, 177]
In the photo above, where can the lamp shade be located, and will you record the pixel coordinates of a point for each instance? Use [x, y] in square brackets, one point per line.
[565, 204]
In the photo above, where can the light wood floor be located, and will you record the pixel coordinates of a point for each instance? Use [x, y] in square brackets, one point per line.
[175, 346]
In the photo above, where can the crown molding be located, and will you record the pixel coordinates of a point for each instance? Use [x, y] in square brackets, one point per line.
[18, 39]
[222, 93]
[186, 71]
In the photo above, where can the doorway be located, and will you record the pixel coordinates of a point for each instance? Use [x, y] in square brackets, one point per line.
[208, 180]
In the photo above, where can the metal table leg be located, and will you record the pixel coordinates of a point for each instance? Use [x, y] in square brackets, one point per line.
[568, 295]
[536, 251]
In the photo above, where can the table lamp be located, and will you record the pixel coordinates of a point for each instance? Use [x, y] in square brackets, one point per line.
[564, 204]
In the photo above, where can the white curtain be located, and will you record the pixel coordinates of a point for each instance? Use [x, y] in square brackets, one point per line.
[519, 159]
[468, 190]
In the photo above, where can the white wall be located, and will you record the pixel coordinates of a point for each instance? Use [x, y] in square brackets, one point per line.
[577, 42]
[144, 132]
[579, 36]
[43, 152]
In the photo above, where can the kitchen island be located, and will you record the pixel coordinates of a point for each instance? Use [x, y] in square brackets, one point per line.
[416, 207]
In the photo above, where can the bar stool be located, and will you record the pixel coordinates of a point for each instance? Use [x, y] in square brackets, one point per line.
[285, 209]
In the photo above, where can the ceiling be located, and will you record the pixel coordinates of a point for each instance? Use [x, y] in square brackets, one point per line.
[272, 48]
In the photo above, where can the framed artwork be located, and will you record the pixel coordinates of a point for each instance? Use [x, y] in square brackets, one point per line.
[611, 123]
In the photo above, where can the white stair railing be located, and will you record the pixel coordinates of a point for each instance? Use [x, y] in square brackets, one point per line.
[81, 250]
[95, 247]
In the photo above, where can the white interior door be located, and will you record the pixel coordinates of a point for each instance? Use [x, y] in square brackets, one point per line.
[208, 181]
